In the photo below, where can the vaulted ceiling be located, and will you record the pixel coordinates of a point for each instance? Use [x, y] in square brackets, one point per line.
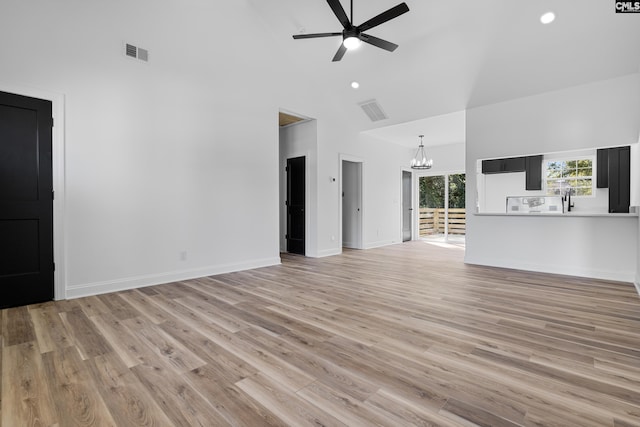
[453, 55]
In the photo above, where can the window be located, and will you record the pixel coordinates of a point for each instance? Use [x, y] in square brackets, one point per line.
[575, 175]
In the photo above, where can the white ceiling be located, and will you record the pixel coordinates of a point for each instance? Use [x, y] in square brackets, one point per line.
[437, 130]
[453, 55]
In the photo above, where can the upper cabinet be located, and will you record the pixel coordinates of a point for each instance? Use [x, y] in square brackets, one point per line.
[602, 166]
[533, 169]
[510, 164]
[614, 172]
[531, 165]
[619, 166]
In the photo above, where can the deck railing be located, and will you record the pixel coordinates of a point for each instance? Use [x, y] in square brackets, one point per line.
[432, 221]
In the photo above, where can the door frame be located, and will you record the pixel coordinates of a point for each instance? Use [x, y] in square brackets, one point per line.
[412, 202]
[353, 159]
[58, 160]
[416, 197]
[306, 204]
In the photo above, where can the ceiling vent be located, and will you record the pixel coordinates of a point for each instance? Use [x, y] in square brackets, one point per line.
[136, 52]
[373, 110]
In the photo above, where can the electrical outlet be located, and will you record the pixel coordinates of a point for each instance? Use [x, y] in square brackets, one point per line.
[333, 238]
[183, 256]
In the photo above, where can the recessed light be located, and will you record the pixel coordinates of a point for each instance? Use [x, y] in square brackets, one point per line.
[355, 85]
[548, 18]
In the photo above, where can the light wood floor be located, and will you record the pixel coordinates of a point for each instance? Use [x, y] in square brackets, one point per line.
[402, 335]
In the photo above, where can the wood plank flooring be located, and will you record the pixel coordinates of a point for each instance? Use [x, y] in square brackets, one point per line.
[397, 336]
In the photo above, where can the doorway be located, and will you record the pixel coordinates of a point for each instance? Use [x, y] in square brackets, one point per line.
[407, 209]
[442, 207]
[26, 200]
[295, 204]
[351, 204]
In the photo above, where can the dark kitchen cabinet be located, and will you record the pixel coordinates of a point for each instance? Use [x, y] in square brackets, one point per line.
[514, 164]
[533, 169]
[493, 166]
[602, 168]
[532, 165]
[510, 164]
[619, 177]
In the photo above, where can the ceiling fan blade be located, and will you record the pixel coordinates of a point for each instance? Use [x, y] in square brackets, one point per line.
[313, 36]
[394, 12]
[340, 13]
[383, 44]
[340, 53]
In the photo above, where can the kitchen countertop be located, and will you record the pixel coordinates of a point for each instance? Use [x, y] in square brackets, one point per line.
[566, 214]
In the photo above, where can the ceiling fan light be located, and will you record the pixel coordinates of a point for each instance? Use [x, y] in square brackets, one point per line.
[352, 42]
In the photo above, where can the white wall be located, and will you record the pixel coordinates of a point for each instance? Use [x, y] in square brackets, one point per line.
[447, 158]
[295, 141]
[172, 166]
[635, 195]
[600, 114]
[165, 161]
[382, 164]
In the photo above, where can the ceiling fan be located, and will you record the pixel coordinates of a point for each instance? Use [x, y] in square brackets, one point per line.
[353, 35]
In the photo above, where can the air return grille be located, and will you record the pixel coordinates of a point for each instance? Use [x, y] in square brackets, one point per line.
[373, 110]
[136, 52]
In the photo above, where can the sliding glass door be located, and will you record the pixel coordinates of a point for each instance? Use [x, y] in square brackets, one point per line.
[432, 198]
[442, 206]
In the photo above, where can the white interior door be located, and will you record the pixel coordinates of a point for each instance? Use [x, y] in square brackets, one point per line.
[351, 204]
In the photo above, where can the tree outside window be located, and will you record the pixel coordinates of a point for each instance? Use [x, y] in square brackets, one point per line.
[564, 175]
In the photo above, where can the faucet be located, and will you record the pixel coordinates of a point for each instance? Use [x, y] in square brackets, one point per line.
[567, 198]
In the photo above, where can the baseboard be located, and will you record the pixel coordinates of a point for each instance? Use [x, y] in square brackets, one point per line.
[379, 244]
[338, 251]
[637, 285]
[617, 276]
[328, 252]
[97, 288]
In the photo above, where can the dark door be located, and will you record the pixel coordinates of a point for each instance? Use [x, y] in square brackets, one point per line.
[407, 210]
[295, 205]
[26, 201]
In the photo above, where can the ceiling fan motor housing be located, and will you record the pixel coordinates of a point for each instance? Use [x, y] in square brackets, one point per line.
[356, 32]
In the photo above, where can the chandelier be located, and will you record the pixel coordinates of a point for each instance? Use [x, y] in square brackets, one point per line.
[420, 160]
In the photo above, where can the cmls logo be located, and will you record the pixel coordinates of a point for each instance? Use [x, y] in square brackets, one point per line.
[628, 7]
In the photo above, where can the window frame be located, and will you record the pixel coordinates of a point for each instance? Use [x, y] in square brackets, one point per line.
[565, 159]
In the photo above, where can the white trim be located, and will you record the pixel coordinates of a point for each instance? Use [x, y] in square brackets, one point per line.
[592, 177]
[619, 276]
[328, 252]
[412, 203]
[305, 119]
[307, 202]
[637, 285]
[58, 154]
[380, 243]
[445, 174]
[97, 288]
[349, 158]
